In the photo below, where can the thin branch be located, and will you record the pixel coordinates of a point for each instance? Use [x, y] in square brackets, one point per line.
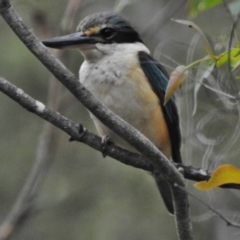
[116, 124]
[227, 221]
[127, 132]
[228, 10]
[25, 200]
[69, 15]
[161, 18]
[234, 25]
[24, 203]
[199, 174]
[72, 129]
[82, 94]
[90, 139]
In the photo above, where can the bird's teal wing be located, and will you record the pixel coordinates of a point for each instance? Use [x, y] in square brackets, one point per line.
[158, 79]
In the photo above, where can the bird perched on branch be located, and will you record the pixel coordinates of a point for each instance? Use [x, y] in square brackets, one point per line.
[119, 71]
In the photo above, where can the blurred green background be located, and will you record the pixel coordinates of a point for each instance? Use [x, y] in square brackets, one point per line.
[84, 196]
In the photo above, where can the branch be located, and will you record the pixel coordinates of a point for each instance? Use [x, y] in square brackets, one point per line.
[234, 25]
[25, 202]
[128, 133]
[92, 140]
[25, 199]
[71, 128]
[199, 174]
[227, 221]
[123, 129]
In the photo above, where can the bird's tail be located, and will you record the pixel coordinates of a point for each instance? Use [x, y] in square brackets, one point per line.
[166, 193]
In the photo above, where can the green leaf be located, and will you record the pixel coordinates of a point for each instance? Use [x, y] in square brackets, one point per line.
[194, 7]
[234, 58]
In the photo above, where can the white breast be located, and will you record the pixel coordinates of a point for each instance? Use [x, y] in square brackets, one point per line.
[107, 78]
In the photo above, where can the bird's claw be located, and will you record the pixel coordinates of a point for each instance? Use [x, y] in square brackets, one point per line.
[105, 141]
[81, 132]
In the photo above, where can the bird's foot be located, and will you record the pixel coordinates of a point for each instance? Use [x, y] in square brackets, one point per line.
[81, 132]
[105, 141]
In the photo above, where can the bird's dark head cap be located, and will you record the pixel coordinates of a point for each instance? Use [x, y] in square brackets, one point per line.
[110, 26]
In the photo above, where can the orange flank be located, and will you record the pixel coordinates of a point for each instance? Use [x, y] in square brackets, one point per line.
[160, 131]
[155, 127]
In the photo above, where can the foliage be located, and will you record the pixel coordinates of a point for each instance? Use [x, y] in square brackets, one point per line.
[207, 64]
[195, 7]
[224, 173]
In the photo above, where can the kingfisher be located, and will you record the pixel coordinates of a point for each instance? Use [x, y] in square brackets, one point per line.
[120, 72]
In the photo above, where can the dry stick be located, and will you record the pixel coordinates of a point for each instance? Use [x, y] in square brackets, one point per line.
[124, 156]
[227, 221]
[31, 187]
[234, 25]
[235, 20]
[170, 7]
[128, 133]
[71, 128]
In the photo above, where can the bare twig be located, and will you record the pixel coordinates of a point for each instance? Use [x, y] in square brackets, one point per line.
[82, 94]
[159, 20]
[231, 40]
[72, 129]
[232, 78]
[227, 221]
[70, 14]
[46, 145]
[124, 156]
[227, 10]
[24, 202]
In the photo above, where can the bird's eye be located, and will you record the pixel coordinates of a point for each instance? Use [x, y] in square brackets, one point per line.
[107, 32]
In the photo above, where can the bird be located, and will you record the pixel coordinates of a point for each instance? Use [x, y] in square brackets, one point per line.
[120, 72]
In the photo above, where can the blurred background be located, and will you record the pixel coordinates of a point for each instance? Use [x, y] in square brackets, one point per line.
[82, 195]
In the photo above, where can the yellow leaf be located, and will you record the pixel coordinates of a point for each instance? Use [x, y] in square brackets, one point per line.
[176, 79]
[222, 175]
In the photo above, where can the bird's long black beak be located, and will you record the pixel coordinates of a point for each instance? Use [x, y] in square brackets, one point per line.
[70, 41]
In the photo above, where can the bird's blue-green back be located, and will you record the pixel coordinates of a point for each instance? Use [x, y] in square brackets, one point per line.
[158, 79]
